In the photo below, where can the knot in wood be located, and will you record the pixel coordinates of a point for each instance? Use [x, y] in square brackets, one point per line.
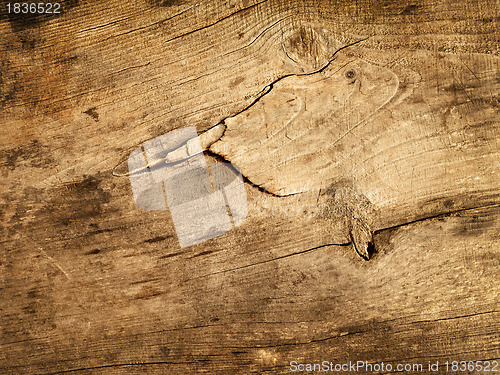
[307, 48]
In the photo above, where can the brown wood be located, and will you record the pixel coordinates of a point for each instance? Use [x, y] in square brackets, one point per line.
[400, 159]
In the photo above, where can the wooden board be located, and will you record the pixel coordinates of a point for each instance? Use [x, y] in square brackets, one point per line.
[93, 284]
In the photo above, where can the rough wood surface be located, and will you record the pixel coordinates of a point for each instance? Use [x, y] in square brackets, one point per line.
[91, 284]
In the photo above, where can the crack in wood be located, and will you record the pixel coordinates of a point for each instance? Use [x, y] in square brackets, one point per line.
[150, 25]
[107, 24]
[216, 22]
[119, 365]
[211, 140]
[360, 237]
[440, 215]
[270, 260]
[342, 333]
[267, 28]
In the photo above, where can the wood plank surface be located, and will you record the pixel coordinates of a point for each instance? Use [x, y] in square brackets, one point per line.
[400, 161]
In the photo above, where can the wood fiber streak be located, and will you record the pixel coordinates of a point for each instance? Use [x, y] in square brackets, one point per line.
[91, 284]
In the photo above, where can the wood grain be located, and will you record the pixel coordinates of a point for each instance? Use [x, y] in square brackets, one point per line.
[91, 284]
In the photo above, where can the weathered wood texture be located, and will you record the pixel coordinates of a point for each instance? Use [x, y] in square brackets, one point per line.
[91, 284]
